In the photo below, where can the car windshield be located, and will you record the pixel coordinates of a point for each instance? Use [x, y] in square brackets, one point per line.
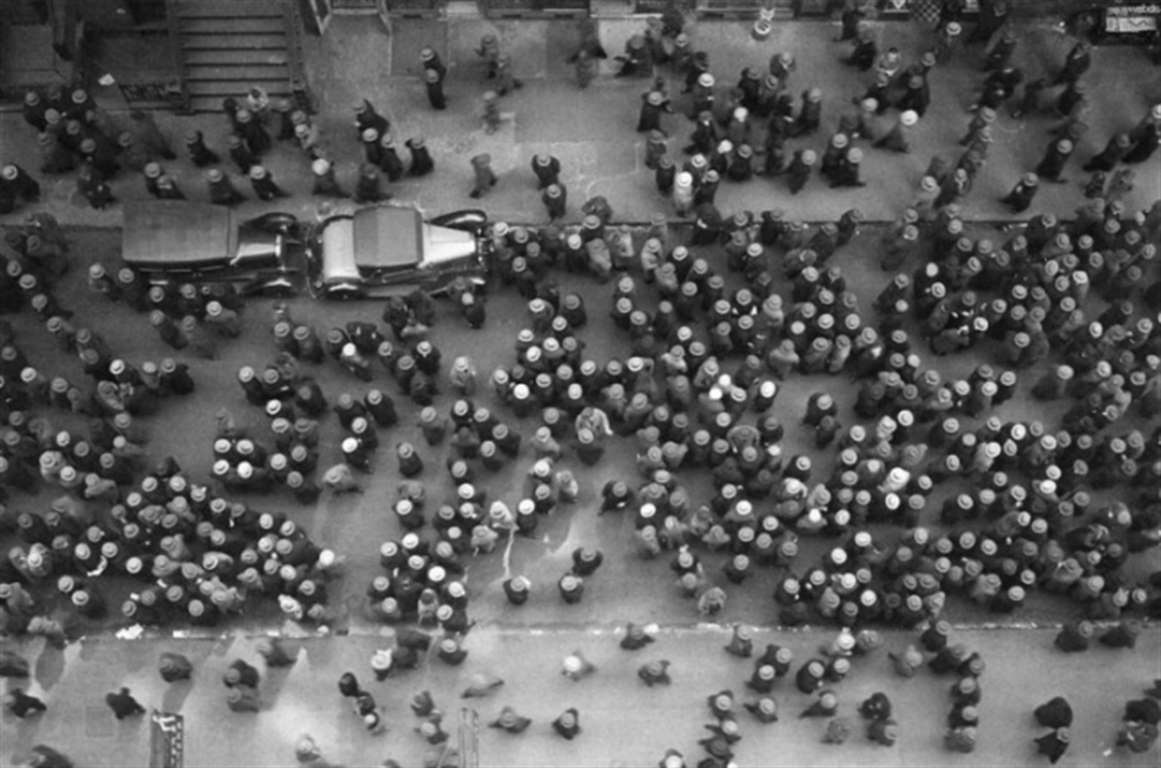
[387, 237]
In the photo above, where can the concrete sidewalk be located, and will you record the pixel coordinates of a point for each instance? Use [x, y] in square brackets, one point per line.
[624, 722]
[592, 131]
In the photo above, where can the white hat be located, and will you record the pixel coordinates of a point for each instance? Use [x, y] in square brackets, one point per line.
[320, 167]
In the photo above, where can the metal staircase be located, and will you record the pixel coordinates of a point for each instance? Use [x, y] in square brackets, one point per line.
[229, 46]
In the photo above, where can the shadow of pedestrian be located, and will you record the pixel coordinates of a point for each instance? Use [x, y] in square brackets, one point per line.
[175, 695]
[50, 666]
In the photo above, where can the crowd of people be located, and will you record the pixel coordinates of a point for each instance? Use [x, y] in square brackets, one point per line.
[989, 509]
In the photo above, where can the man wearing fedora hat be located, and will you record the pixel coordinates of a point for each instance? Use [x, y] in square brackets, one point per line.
[167, 188]
[547, 170]
[421, 162]
[431, 61]
[367, 188]
[91, 184]
[433, 82]
[810, 115]
[152, 172]
[846, 173]
[798, 172]
[102, 154]
[898, 138]
[325, 183]
[222, 190]
[1054, 160]
[199, 154]
[635, 62]
[555, 199]
[263, 183]
[33, 110]
[366, 117]
[54, 158]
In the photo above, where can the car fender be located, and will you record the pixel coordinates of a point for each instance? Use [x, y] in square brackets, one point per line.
[276, 223]
[469, 219]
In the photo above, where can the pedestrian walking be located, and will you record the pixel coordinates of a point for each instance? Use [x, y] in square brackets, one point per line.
[368, 188]
[798, 172]
[389, 161]
[421, 162]
[898, 139]
[555, 199]
[1053, 744]
[1020, 198]
[22, 704]
[325, 183]
[15, 182]
[490, 112]
[510, 721]
[221, 188]
[584, 68]
[243, 698]
[366, 116]
[1055, 158]
[90, 184]
[506, 80]
[810, 115]
[272, 650]
[489, 51]
[123, 704]
[167, 189]
[484, 176]
[567, 724]
[1146, 136]
[433, 81]
[847, 172]
[263, 184]
[547, 170]
[431, 62]
[1114, 152]
[174, 667]
[653, 106]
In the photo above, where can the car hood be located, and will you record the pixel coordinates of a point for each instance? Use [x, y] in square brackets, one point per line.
[444, 244]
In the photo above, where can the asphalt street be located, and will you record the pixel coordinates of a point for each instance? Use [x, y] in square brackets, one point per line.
[625, 723]
[592, 131]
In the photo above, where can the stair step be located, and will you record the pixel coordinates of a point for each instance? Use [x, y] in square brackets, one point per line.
[234, 42]
[235, 56]
[205, 103]
[245, 73]
[240, 26]
[228, 8]
[223, 88]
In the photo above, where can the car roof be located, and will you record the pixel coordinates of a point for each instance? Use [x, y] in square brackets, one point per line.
[387, 236]
[173, 232]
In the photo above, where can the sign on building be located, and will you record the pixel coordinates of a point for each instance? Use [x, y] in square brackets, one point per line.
[166, 740]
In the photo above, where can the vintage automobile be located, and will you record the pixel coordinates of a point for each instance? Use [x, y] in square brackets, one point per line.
[385, 250]
[182, 241]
